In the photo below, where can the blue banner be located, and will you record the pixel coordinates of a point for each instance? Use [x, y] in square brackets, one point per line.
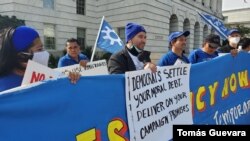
[220, 90]
[94, 108]
[108, 40]
[216, 24]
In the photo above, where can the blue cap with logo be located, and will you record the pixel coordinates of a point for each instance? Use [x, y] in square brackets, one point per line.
[232, 31]
[177, 34]
[132, 29]
[23, 37]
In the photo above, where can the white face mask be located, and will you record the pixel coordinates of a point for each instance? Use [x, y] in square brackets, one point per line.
[234, 40]
[41, 57]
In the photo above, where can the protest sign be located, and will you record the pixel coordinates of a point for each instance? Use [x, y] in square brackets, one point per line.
[156, 101]
[61, 111]
[92, 68]
[220, 90]
[37, 72]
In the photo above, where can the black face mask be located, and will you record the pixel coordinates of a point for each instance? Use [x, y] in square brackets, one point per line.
[134, 51]
[24, 56]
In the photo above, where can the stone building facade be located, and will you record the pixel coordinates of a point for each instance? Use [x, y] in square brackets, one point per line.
[57, 20]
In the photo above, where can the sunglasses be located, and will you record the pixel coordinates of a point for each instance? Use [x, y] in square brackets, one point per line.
[213, 46]
[24, 56]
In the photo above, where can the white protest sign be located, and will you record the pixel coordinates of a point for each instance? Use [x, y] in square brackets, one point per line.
[37, 72]
[92, 68]
[156, 101]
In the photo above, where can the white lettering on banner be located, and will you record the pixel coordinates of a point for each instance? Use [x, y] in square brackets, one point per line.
[232, 114]
[156, 101]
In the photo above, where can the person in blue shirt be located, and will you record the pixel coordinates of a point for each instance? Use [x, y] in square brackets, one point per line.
[18, 45]
[208, 50]
[233, 37]
[73, 55]
[244, 44]
[177, 43]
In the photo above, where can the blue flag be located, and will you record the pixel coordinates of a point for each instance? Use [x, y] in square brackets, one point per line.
[108, 40]
[216, 24]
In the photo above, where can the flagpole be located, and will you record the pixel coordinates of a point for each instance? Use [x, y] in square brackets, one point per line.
[93, 53]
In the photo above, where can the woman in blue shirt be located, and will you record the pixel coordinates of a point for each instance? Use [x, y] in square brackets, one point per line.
[18, 46]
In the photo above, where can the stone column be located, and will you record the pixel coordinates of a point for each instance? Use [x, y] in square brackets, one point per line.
[207, 3]
[198, 1]
[214, 6]
[219, 6]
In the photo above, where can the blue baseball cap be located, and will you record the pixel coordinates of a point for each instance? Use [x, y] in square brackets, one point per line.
[177, 34]
[232, 31]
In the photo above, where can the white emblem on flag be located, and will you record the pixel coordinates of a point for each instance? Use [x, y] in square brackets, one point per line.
[108, 36]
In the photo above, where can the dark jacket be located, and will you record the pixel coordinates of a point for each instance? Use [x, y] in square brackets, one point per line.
[121, 61]
[225, 49]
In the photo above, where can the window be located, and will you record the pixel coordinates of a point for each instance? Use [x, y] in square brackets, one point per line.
[121, 34]
[49, 36]
[48, 4]
[203, 2]
[81, 37]
[80, 7]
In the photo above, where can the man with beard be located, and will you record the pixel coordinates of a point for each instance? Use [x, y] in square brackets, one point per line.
[133, 56]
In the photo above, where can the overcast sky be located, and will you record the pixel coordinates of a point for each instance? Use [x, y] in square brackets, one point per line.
[235, 4]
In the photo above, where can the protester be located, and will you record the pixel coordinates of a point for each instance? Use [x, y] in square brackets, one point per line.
[177, 43]
[233, 40]
[133, 56]
[208, 50]
[17, 47]
[244, 44]
[73, 55]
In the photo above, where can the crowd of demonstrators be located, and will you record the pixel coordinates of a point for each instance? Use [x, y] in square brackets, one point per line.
[21, 43]
[133, 56]
[18, 45]
[177, 43]
[208, 50]
[73, 55]
[244, 44]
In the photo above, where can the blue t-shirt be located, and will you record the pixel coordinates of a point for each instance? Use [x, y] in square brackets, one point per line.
[199, 55]
[67, 60]
[10, 81]
[170, 59]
